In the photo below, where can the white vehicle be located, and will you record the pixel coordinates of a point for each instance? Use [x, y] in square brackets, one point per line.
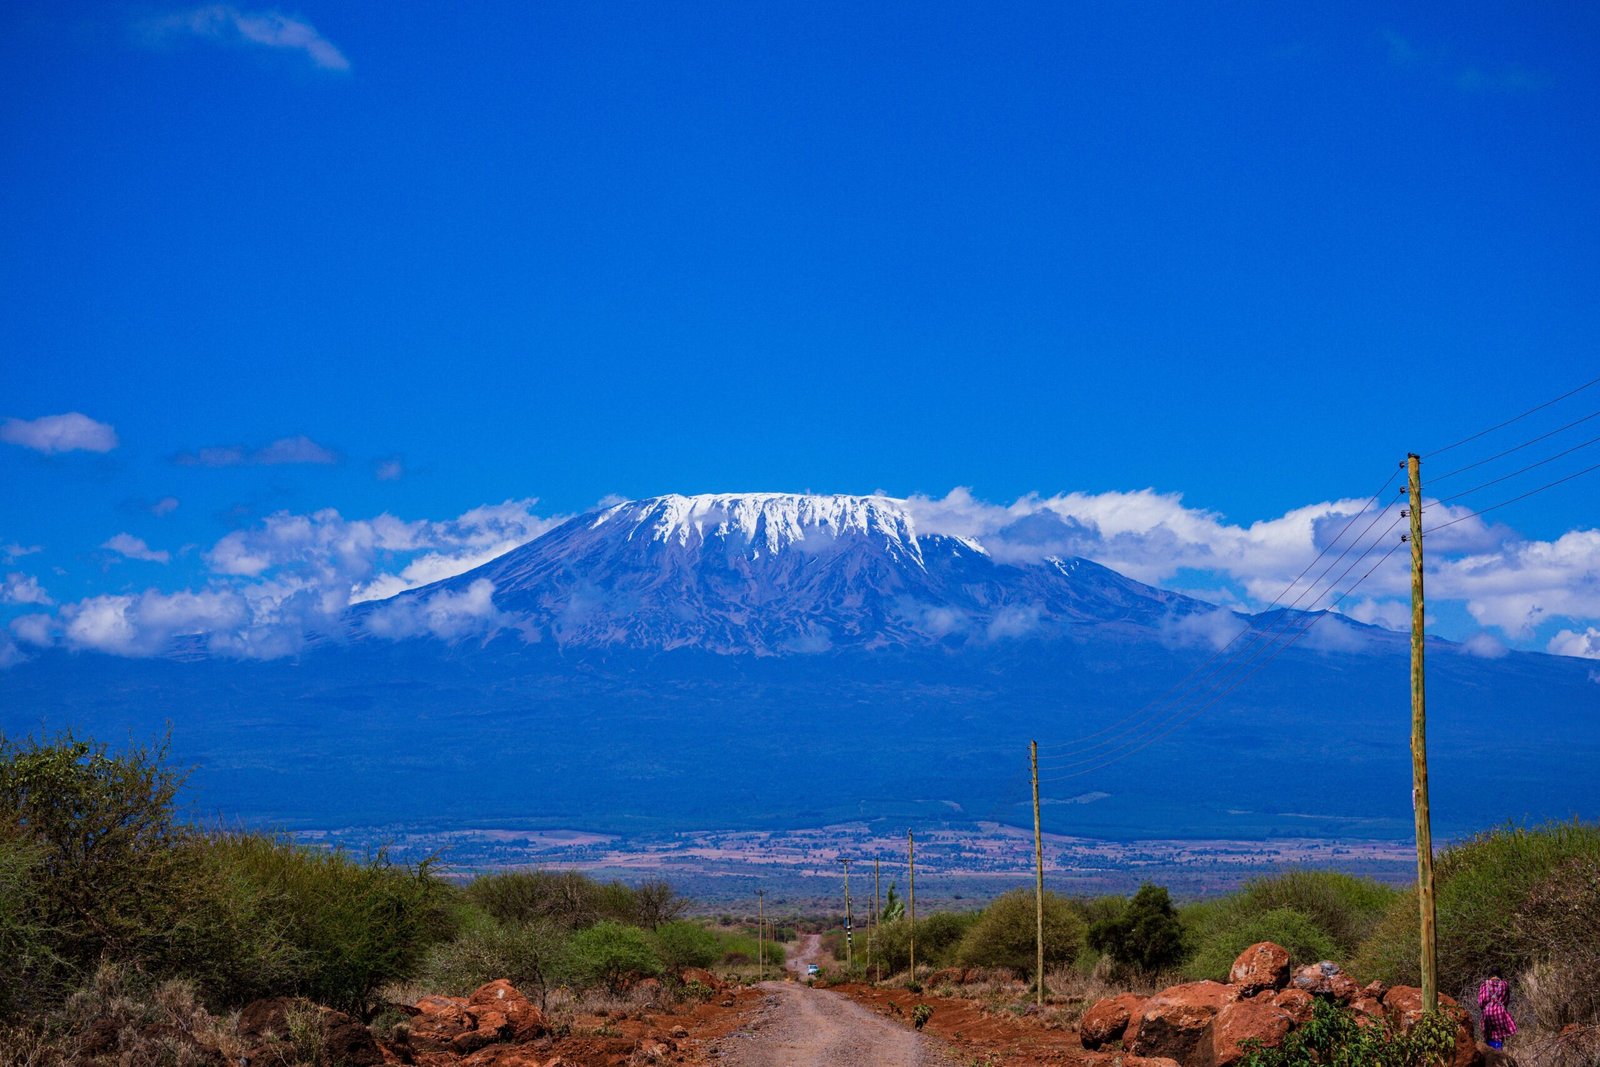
[812, 969]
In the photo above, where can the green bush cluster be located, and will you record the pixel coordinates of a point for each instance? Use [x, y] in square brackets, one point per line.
[572, 900]
[1336, 1038]
[1509, 898]
[95, 868]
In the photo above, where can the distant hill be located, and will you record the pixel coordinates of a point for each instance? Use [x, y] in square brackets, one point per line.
[787, 660]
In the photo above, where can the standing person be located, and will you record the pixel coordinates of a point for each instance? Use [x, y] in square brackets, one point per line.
[1494, 1001]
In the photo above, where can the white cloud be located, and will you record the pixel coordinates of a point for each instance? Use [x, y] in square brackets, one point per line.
[283, 452]
[22, 589]
[1484, 645]
[1212, 629]
[132, 547]
[1390, 614]
[13, 552]
[10, 653]
[37, 629]
[1585, 645]
[143, 625]
[389, 470]
[165, 506]
[72, 432]
[446, 614]
[268, 29]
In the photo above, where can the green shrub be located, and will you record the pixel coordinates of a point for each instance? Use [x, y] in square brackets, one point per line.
[1230, 927]
[1486, 892]
[610, 953]
[1336, 1038]
[565, 898]
[101, 829]
[939, 938]
[1342, 906]
[531, 956]
[1004, 934]
[683, 944]
[31, 965]
[1147, 934]
[271, 917]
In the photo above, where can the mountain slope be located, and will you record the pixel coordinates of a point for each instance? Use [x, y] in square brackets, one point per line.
[771, 574]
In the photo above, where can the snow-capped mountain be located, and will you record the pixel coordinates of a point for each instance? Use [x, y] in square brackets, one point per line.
[777, 573]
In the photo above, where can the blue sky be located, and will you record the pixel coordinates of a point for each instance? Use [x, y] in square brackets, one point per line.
[393, 261]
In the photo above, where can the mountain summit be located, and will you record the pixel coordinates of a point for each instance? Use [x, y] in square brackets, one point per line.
[775, 574]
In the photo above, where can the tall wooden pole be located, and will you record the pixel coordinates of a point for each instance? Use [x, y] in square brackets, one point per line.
[761, 931]
[849, 935]
[1419, 748]
[1038, 863]
[911, 878]
[877, 968]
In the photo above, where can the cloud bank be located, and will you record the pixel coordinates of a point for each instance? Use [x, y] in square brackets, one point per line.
[282, 452]
[72, 432]
[278, 583]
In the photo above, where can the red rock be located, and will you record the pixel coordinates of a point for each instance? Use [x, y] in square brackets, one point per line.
[704, 977]
[1174, 1019]
[1325, 979]
[1403, 1004]
[1261, 966]
[1297, 1002]
[1107, 1020]
[1368, 1008]
[1375, 990]
[433, 1004]
[948, 976]
[525, 1020]
[1237, 1022]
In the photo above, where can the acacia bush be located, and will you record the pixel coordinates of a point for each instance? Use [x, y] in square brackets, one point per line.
[1336, 1038]
[683, 944]
[1147, 934]
[1498, 899]
[610, 953]
[1218, 931]
[1004, 934]
[534, 957]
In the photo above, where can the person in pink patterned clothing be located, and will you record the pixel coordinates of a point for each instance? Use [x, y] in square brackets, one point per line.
[1494, 1002]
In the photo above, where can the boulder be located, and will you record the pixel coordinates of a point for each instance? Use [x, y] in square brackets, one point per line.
[690, 975]
[1173, 1020]
[1107, 1020]
[1403, 1005]
[523, 1019]
[1369, 1008]
[266, 1023]
[1297, 1002]
[1261, 966]
[948, 976]
[1325, 979]
[1375, 990]
[1237, 1022]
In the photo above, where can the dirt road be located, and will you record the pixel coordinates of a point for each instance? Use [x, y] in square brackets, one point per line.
[809, 951]
[801, 1027]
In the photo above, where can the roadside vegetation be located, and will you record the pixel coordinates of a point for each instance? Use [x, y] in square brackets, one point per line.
[114, 912]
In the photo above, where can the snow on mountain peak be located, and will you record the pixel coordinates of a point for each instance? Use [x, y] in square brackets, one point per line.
[769, 521]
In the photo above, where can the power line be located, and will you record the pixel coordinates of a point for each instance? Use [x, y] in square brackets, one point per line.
[1176, 711]
[1508, 422]
[1312, 621]
[1436, 479]
[1180, 683]
[1523, 470]
[1513, 500]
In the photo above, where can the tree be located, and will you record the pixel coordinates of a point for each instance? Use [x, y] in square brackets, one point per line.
[1004, 935]
[1148, 933]
[656, 902]
[686, 944]
[610, 953]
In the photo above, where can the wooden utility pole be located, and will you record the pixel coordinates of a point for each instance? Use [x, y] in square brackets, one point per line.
[849, 936]
[911, 878]
[872, 938]
[1038, 863]
[1419, 748]
[761, 931]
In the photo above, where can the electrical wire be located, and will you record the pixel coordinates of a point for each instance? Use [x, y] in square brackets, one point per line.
[1180, 683]
[1513, 500]
[1508, 422]
[1312, 621]
[1436, 479]
[1176, 712]
[1522, 470]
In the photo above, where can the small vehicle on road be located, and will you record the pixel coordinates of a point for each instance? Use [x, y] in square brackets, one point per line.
[812, 970]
